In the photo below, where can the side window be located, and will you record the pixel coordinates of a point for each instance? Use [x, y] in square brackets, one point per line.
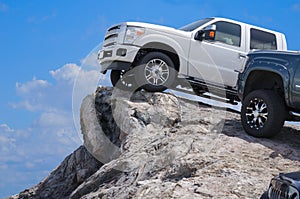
[228, 33]
[262, 40]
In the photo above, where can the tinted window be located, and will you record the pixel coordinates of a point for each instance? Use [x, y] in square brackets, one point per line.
[196, 24]
[228, 33]
[262, 40]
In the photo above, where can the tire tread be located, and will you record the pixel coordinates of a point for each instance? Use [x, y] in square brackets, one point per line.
[276, 113]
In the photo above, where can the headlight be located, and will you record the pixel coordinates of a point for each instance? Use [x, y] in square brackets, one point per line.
[293, 193]
[132, 33]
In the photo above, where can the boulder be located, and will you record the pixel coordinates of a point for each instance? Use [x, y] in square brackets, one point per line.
[158, 145]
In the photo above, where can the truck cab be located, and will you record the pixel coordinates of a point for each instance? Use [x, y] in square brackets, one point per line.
[225, 53]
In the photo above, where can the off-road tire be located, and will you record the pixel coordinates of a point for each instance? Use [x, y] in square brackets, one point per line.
[263, 113]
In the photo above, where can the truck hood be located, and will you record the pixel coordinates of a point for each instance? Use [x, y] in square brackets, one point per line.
[160, 28]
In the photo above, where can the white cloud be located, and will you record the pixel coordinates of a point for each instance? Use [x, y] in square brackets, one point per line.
[25, 104]
[59, 102]
[3, 140]
[8, 142]
[53, 119]
[40, 95]
[34, 151]
[28, 155]
[67, 73]
[5, 128]
[33, 93]
[31, 86]
[54, 101]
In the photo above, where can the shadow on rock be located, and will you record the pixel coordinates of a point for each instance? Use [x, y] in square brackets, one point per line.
[286, 144]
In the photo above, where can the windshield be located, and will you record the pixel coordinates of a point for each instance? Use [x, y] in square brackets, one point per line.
[196, 24]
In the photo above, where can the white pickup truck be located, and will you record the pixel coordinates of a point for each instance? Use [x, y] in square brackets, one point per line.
[207, 53]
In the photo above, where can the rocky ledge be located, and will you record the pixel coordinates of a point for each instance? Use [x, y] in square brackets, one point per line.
[157, 145]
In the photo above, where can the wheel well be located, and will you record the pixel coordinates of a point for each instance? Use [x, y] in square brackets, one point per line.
[264, 80]
[158, 47]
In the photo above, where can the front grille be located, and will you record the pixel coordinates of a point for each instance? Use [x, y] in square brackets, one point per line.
[111, 36]
[277, 193]
[281, 189]
[114, 28]
[109, 44]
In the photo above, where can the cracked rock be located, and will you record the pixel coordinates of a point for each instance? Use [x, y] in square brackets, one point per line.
[157, 145]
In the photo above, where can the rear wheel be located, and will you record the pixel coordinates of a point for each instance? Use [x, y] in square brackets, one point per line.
[263, 113]
[155, 72]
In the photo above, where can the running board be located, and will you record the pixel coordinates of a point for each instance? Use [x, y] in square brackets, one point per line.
[219, 89]
[216, 98]
[230, 95]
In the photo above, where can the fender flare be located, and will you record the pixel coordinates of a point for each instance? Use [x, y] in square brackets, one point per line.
[152, 40]
[272, 67]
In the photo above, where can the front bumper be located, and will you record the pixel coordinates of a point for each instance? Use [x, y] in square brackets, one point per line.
[117, 57]
[284, 186]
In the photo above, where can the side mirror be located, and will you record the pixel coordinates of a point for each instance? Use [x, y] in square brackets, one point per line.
[199, 35]
[210, 32]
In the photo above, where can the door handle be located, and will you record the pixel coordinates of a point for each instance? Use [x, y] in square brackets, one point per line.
[242, 56]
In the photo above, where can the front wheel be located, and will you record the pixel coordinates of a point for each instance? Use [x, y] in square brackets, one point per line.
[263, 113]
[155, 72]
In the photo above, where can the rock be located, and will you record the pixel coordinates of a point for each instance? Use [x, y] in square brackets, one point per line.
[74, 170]
[97, 139]
[157, 145]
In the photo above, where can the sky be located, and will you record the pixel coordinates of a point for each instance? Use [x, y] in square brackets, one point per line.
[48, 64]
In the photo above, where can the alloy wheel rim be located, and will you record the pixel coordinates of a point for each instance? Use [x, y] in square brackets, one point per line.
[256, 113]
[156, 72]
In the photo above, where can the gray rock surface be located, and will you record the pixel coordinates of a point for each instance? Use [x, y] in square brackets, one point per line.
[95, 139]
[169, 147]
[73, 171]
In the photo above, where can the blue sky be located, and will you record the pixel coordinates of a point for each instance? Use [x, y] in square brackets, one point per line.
[43, 46]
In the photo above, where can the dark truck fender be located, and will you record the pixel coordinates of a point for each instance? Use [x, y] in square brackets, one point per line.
[263, 66]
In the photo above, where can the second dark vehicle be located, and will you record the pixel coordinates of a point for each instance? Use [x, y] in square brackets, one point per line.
[285, 186]
[269, 88]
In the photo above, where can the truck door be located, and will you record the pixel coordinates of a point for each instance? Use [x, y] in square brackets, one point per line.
[295, 88]
[219, 61]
